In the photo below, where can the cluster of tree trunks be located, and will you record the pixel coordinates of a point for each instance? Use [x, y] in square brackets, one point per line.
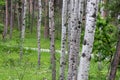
[73, 12]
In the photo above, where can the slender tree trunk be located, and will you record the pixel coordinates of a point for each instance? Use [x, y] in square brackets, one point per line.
[88, 40]
[19, 15]
[79, 26]
[72, 71]
[115, 62]
[11, 20]
[33, 5]
[23, 27]
[78, 17]
[29, 15]
[69, 9]
[102, 9]
[14, 12]
[52, 38]
[46, 30]
[3, 15]
[6, 22]
[63, 40]
[38, 29]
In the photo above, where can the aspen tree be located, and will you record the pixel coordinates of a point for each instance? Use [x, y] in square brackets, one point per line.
[72, 70]
[69, 26]
[63, 40]
[38, 29]
[23, 27]
[11, 19]
[88, 40]
[52, 38]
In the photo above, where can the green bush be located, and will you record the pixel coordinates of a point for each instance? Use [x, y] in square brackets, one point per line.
[106, 36]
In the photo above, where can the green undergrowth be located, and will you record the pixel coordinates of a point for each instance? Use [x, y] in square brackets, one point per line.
[11, 68]
[30, 40]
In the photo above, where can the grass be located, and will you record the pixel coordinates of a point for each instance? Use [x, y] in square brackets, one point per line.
[31, 40]
[12, 69]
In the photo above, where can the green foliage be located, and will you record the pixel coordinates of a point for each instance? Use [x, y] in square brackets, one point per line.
[2, 2]
[114, 7]
[1, 28]
[105, 39]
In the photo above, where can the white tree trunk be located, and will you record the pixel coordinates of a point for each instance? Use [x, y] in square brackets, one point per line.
[74, 26]
[88, 40]
[71, 31]
[74, 48]
[79, 25]
[69, 26]
[63, 40]
[52, 38]
[38, 29]
[23, 27]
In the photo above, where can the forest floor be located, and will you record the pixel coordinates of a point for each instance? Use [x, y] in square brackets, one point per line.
[11, 68]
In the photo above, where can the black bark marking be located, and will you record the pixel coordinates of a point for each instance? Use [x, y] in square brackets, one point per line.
[79, 26]
[90, 31]
[93, 4]
[84, 43]
[83, 55]
[81, 12]
[75, 28]
[93, 26]
[65, 24]
[63, 47]
[89, 58]
[52, 45]
[75, 41]
[63, 43]
[79, 22]
[95, 9]
[94, 15]
[72, 21]
[72, 58]
[88, 0]
[63, 63]
[87, 43]
[73, 61]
